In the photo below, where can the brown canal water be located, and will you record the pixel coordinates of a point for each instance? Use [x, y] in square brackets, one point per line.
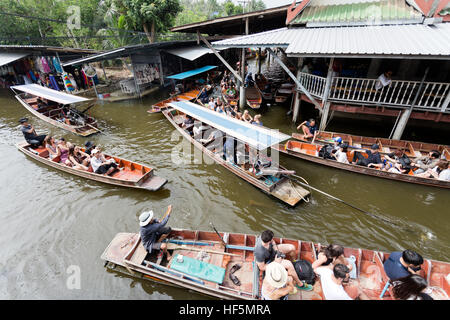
[54, 225]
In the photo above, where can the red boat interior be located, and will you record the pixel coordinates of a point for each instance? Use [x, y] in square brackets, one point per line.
[371, 278]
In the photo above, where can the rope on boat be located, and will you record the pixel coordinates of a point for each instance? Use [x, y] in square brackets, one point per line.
[293, 187]
[342, 201]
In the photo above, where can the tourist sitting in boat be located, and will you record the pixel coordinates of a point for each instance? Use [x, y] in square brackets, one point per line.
[373, 159]
[309, 129]
[100, 165]
[330, 256]
[89, 146]
[440, 172]
[74, 160]
[212, 104]
[81, 157]
[402, 264]
[63, 150]
[426, 162]
[411, 287]
[332, 280]
[221, 109]
[400, 162]
[267, 251]
[51, 147]
[30, 134]
[188, 123]
[238, 116]
[277, 284]
[153, 233]
[246, 117]
[257, 120]
[341, 153]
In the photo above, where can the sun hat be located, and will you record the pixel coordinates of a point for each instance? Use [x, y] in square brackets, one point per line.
[338, 139]
[145, 218]
[276, 275]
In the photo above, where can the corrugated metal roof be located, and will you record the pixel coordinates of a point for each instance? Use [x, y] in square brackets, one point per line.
[362, 12]
[8, 57]
[396, 41]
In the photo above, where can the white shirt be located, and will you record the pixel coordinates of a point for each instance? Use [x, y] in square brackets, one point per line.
[444, 175]
[331, 290]
[341, 157]
[382, 82]
[96, 163]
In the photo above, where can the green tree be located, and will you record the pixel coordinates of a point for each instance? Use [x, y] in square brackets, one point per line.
[231, 9]
[151, 16]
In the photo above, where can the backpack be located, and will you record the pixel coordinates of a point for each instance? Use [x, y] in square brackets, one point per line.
[325, 152]
[305, 271]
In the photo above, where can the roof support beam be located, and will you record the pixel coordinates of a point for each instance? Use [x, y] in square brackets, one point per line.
[220, 57]
[299, 85]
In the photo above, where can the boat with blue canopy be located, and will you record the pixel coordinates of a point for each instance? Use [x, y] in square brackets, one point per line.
[237, 146]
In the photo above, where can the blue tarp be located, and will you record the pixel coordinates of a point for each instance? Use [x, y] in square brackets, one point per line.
[191, 73]
[256, 136]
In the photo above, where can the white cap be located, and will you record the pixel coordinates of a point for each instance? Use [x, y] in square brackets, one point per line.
[145, 218]
[94, 151]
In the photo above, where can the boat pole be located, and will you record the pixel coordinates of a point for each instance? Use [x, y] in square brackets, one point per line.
[348, 204]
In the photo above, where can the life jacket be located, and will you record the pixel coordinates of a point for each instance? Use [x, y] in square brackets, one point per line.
[305, 271]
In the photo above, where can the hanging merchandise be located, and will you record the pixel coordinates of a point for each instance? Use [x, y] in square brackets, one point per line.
[45, 67]
[67, 83]
[32, 76]
[53, 82]
[74, 83]
[57, 65]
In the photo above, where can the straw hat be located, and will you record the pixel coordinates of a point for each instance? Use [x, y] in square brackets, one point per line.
[145, 218]
[276, 275]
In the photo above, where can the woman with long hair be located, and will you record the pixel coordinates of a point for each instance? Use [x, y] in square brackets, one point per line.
[410, 288]
[331, 255]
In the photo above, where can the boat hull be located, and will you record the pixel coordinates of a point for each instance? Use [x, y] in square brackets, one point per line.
[310, 154]
[126, 254]
[150, 182]
[188, 96]
[74, 129]
[284, 190]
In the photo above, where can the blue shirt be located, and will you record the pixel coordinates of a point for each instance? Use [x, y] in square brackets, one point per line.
[150, 233]
[311, 128]
[393, 267]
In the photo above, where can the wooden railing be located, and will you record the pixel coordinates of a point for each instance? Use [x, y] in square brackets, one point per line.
[398, 93]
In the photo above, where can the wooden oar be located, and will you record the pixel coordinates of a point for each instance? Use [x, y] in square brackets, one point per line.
[174, 246]
[169, 209]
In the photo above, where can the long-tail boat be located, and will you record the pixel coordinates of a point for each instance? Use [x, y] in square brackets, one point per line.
[271, 179]
[129, 174]
[261, 83]
[203, 261]
[58, 109]
[284, 92]
[413, 149]
[310, 151]
[253, 97]
[186, 96]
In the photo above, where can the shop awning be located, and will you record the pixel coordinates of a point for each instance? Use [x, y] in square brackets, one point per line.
[191, 53]
[258, 137]
[49, 94]
[8, 57]
[191, 73]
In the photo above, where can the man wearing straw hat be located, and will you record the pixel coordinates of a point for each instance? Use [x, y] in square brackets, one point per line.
[153, 232]
[277, 284]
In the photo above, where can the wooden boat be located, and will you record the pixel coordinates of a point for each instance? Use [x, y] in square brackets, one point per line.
[278, 184]
[310, 152]
[261, 83]
[58, 109]
[283, 93]
[126, 254]
[253, 97]
[413, 149]
[187, 96]
[131, 174]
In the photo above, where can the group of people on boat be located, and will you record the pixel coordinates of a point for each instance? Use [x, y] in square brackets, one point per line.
[219, 106]
[431, 166]
[69, 154]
